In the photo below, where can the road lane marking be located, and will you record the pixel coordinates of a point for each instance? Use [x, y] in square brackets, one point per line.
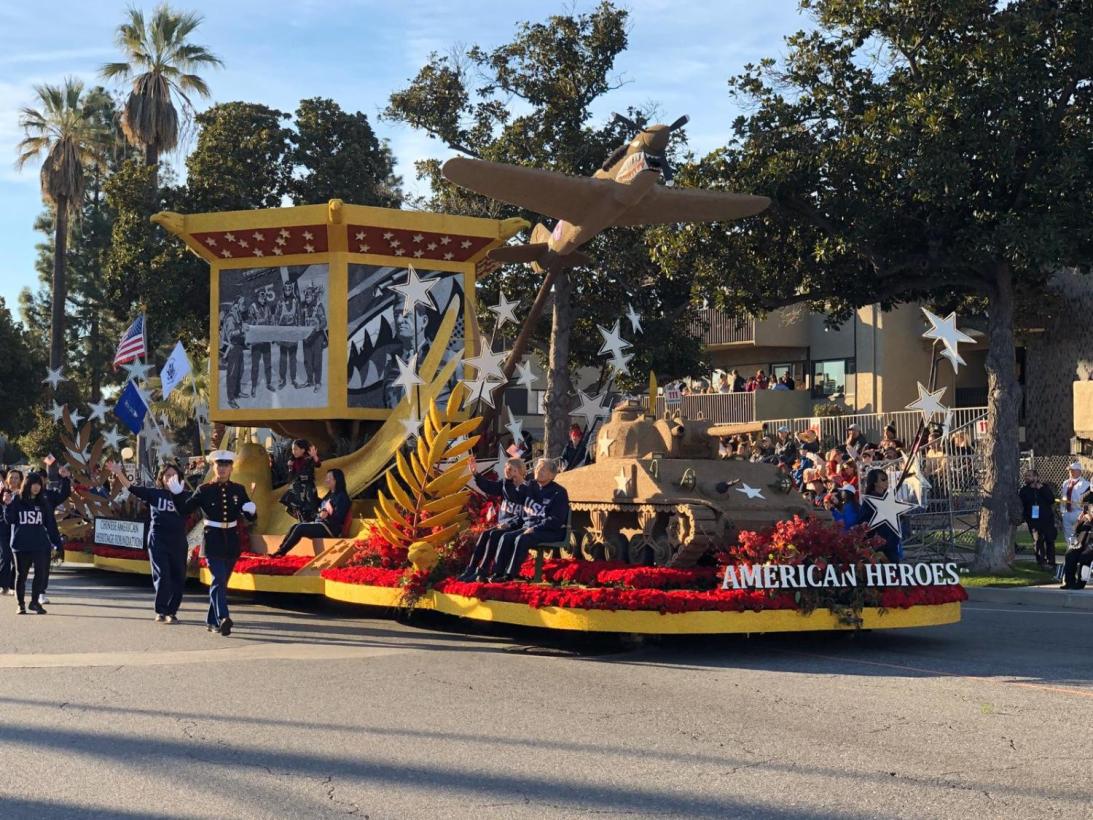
[232, 654]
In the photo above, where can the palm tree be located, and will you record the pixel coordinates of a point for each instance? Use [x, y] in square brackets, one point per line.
[160, 64]
[63, 128]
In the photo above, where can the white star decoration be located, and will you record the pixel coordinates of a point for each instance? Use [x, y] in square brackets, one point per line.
[634, 318]
[613, 343]
[750, 492]
[527, 377]
[620, 361]
[590, 408]
[137, 370]
[165, 449]
[622, 482]
[515, 426]
[415, 291]
[603, 445]
[504, 310]
[58, 412]
[76, 417]
[412, 425]
[887, 510]
[480, 389]
[98, 411]
[488, 364]
[407, 373]
[113, 438]
[929, 404]
[945, 331]
[54, 377]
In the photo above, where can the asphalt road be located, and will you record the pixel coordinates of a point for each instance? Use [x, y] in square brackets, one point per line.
[318, 712]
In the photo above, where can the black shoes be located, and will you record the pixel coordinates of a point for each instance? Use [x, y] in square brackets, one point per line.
[37, 608]
[20, 609]
[226, 627]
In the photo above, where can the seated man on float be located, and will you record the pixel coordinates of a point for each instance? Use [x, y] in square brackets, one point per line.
[1080, 554]
[512, 490]
[546, 515]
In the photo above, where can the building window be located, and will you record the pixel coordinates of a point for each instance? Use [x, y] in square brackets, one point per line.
[831, 377]
[794, 370]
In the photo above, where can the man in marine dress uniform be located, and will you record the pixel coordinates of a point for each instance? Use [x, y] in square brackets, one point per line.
[223, 503]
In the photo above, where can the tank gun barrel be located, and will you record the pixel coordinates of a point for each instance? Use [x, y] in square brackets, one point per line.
[720, 430]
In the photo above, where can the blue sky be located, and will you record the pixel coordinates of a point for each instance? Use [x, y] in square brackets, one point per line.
[358, 51]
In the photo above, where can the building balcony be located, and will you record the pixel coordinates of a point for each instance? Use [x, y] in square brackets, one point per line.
[780, 328]
[742, 408]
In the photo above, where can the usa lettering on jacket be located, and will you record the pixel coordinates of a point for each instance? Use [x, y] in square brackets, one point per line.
[30, 518]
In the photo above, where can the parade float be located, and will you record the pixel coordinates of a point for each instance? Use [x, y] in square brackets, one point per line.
[663, 538]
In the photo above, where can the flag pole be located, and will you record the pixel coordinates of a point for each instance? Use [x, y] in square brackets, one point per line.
[197, 407]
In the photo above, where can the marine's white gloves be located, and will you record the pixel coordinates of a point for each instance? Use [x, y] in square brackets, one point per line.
[249, 508]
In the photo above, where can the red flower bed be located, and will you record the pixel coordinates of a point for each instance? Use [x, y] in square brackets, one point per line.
[119, 552]
[800, 540]
[675, 600]
[368, 576]
[621, 574]
[257, 564]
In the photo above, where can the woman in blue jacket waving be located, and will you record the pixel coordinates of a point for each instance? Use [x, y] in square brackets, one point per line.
[30, 516]
[166, 536]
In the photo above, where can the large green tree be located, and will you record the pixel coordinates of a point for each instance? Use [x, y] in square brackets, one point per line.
[161, 64]
[66, 131]
[936, 151]
[336, 155]
[551, 73]
[21, 369]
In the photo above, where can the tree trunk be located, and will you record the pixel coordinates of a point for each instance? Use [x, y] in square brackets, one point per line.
[1000, 514]
[556, 425]
[151, 157]
[60, 289]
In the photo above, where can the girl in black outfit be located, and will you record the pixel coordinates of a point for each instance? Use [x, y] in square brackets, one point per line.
[167, 536]
[30, 516]
[302, 499]
[332, 515]
[13, 480]
[876, 485]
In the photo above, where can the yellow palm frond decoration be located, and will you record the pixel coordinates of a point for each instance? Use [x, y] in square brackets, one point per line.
[426, 489]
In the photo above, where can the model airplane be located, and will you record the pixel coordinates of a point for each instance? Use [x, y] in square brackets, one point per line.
[623, 192]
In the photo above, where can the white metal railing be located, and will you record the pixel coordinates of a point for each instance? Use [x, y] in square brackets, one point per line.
[721, 408]
[833, 429]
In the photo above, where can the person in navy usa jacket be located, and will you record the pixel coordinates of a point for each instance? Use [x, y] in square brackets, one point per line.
[545, 518]
[30, 516]
[13, 480]
[513, 492]
[166, 537]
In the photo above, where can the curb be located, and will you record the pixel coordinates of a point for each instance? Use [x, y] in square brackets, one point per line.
[1081, 599]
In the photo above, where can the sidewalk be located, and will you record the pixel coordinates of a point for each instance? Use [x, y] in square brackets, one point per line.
[1039, 596]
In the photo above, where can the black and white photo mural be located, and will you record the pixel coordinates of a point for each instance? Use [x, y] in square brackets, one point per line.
[385, 326]
[274, 337]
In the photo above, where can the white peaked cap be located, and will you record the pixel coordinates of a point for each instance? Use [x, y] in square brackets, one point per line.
[220, 455]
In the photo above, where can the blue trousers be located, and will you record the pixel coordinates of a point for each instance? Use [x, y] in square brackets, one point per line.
[168, 576]
[485, 551]
[514, 546]
[7, 566]
[221, 569]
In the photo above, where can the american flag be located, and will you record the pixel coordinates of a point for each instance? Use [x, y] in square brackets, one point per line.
[131, 346]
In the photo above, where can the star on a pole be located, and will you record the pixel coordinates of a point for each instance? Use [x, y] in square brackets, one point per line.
[165, 449]
[887, 510]
[634, 318]
[415, 291]
[526, 378]
[480, 389]
[515, 426]
[407, 373]
[621, 362]
[488, 365]
[750, 492]
[929, 404]
[504, 310]
[54, 377]
[412, 425]
[945, 331]
[76, 417]
[590, 408]
[98, 411]
[58, 412]
[113, 438]
[137, 370]
[613, 342]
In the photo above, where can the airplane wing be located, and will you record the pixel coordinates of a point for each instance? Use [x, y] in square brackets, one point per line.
[664, 206]
[545, 192]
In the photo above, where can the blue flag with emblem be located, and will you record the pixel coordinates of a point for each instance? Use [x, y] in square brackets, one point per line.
[131, 408]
